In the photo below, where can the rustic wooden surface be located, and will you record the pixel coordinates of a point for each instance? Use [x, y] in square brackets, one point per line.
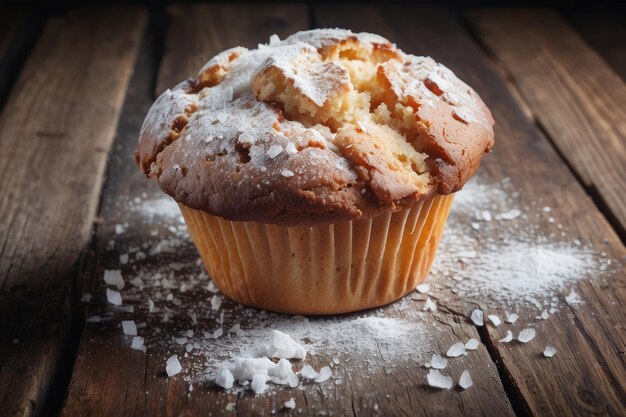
[586, 377]
[604, 31]
[55, 132]
[441, 37]
[362, 387]
[573, 94]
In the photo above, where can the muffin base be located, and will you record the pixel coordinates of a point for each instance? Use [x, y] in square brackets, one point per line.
[321, 269]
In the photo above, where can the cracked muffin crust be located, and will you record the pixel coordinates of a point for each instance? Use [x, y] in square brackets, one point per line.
[324, 126]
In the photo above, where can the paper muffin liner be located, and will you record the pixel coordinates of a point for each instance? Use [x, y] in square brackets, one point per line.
[321, 269]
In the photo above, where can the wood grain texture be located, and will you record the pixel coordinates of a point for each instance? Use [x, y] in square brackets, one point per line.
[588, 375]
[606, 33]
[136, 384]
[55, 132]
[199, 32]
[574, 95]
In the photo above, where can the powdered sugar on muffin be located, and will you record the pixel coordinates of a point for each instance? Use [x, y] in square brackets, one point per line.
[360, 127]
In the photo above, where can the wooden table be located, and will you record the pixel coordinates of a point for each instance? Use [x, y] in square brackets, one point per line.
[75, 88]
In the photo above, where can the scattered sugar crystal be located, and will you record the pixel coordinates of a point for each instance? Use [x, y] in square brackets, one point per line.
[184, 287]
[286, 173]
[511, 317]
[114, 297]
[140, 256]
[230, 406]
[181, 340]
[509, 215]
[127, 309]
[291, 148]
[455, 350]
[437, 380]
[119, 229]
[308, 372]
[423, 288]
[544, 315]
[472, 344]
[216, 302]
[438, 362]
[430, 305]
[244, 369]
[189, 333]
[236, 329]
[325, 373]
[573, 298]
[274, 39]
[466, 380]
[274, 151]
[85, 298]
[211, 287]
[336, 361]
[507, 338]
[526, 335]
[494, 319]
[549, 352]
[228, 94]
[150, 305]
[477, 317]
[188, 347]
[138, 343]
[194, 318]
[114, 277]
[124, 258]
[259, 383]
[475, 226]
[547, 209]
[129, 327]
[173, 366]
[283, 346]
[486, 215]
[224, 378]
[291, 404]
[137, 282]
[222, 117]
[217, 333]
[94, 319]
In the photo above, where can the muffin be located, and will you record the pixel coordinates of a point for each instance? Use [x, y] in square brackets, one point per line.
[316, 173]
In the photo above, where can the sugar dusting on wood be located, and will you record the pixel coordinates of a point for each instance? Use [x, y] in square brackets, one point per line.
[210, 336]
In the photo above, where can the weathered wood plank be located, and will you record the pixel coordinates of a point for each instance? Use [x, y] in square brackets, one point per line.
[605, 32]
[369, 384]
[587, 376]
[574, 95]
[191, 42]
[55, 132]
